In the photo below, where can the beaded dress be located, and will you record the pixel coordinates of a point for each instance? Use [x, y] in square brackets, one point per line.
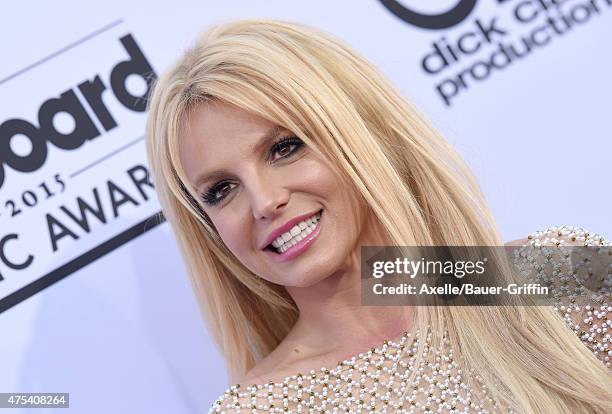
[377, 380]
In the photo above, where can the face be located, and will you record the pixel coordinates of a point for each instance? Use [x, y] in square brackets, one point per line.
[260, 184]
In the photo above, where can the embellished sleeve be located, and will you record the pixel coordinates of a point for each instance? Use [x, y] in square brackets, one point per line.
[229, 402]
[581, 276]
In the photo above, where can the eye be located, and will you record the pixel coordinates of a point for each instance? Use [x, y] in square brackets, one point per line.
[217, 192]
[285, 147]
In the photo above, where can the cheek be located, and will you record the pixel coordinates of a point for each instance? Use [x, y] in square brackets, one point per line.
[232, 234]
[318, 176]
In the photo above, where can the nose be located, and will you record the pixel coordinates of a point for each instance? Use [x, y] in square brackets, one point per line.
[268, 195]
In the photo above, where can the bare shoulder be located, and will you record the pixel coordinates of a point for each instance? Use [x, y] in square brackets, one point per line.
[292, 357]
[261, 372]
[275, 367]
[279, 363]
[518, 242]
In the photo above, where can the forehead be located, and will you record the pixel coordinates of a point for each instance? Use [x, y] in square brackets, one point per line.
[217, 133]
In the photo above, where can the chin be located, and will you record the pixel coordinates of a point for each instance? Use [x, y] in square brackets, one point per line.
[301, 281]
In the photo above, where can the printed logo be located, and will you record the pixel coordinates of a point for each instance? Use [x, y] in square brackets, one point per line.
[431, 21]
[467, 51]
[44, 132]
[74, 184]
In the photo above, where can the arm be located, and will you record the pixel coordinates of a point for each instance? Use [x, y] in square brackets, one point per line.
[588, 313]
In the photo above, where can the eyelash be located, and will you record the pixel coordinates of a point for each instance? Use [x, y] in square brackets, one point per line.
[209, 196]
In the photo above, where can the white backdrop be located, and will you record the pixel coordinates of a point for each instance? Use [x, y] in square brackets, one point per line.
[94, 300]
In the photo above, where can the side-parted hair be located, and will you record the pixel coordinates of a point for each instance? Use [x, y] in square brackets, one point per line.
[407, 175]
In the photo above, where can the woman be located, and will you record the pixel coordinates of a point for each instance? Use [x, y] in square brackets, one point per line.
[277, 151]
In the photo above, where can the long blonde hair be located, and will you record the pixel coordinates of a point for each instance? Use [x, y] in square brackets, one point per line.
[414, 183]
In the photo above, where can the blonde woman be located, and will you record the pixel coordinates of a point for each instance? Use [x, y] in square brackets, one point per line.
[277, 151]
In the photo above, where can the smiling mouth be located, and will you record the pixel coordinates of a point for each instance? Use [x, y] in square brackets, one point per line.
[295, 235]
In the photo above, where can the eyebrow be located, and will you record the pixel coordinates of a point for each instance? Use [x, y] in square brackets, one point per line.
[255, 148]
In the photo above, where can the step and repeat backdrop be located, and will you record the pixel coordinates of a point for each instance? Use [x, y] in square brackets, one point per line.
[94, 300]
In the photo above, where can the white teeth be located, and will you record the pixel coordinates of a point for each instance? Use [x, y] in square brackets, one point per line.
[296, 234]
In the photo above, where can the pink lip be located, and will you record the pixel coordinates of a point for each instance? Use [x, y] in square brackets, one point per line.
[285, 228]
[299, 248]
